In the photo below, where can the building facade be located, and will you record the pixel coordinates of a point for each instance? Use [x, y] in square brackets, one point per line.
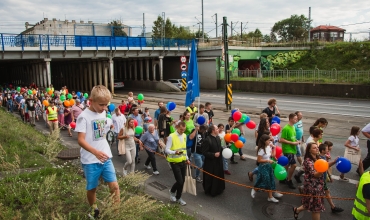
[327, 33]
[57, 27]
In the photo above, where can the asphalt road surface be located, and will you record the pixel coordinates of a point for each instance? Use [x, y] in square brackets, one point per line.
[236, 202]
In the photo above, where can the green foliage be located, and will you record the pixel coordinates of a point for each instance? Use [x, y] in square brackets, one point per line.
[340, 55]
[118, 29]
[282, 60]
[170, 30]
[293, 28]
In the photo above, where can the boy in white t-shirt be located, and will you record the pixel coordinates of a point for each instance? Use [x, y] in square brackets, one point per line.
[95, 151]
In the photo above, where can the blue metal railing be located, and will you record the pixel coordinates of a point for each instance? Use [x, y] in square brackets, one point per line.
[45, 42]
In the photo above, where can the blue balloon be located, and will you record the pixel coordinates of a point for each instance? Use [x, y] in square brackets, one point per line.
[283, 161]
[232, 112]
[246, 120]
[201, 120]
[78, 95]
[111, 107]
[343, 165]
[171, 106]
[241, 138]
[275, 119]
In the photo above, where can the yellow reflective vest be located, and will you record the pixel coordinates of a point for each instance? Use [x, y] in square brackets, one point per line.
[359, 210]
[52, 114]
[177, 146]
[191, 111]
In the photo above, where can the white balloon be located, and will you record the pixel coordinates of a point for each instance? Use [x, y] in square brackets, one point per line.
[227, 153]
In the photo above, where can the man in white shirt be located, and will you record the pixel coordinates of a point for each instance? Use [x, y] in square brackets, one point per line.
[366, 132]
[119, 121]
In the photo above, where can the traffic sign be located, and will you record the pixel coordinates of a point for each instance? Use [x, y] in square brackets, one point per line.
[183, 59]
[183, 67]
[183, 74]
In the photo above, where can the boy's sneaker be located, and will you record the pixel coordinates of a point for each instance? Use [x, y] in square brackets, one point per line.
[93, 213]
[156, 172]
[181, 202]
[277, 195]
[172, 196]
[272, 199]
[147, 167]
[233, 162]
[290, 184]
[198, 179]
[336, 210]
[297, 178]
[124, 172]
[283, 181]
[253, 193]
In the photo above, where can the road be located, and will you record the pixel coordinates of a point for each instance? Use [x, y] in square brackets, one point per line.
[236, 202]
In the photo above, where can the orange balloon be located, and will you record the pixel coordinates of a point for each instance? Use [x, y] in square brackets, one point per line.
[227, 137]
[45, 102]
[66, 103]
[321, 165]
[71, 102]
[50, 92]
[238, 144]
[34, 92]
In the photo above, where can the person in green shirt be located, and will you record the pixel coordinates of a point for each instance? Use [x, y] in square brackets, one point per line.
[289, 142]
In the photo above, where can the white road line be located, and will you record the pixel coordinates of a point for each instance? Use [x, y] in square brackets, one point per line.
[297, 169]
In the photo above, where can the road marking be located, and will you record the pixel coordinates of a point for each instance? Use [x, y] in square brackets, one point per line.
[298, 168]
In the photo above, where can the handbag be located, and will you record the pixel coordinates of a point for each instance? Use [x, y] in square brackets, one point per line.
[161, 145]
[189, 184]
[122, 145]
[352, 155]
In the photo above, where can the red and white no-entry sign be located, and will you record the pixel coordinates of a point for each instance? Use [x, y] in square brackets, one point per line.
[183, 59]
[183, 66]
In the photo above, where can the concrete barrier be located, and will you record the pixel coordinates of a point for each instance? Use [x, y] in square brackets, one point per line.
[331, 90]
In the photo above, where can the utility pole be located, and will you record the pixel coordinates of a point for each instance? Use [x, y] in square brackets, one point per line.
[231, 31]
[309, 24]
[241, 31]
[163, 32]
[143, 24]
[216, 25]
[228, 96]
[202, 23]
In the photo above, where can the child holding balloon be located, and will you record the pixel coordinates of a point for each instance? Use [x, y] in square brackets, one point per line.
[265, 176]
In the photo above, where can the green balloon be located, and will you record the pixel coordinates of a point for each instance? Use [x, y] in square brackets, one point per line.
[273, 165]
[280, 172]
[29, 92]
[233, 148]
[140, 97]
[109, 116]
[52, 95]
[69, 96]
[42, 94]
[47, 89]
[18, 89]
[62, 98]
[86, 95]
[236, 131]
[139, 130]
[244, 116]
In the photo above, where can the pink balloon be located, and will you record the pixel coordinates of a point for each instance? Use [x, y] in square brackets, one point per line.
[251, 124]
[275, 129]
[237, 116]
[279, 152]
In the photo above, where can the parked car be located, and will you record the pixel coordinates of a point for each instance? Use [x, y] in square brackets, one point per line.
[118, 83]
[176, 82]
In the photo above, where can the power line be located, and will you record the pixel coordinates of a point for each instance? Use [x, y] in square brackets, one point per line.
[366, 22]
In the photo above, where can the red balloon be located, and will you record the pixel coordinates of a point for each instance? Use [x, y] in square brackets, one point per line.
[73, 125]
[237, 116]
[238, 144]
[234, 137]
[251, 124]
[150, 119]
[278, 152]
[136, 123]
[275, 129]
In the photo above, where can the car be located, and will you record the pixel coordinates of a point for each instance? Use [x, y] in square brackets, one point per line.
[118, 83]
[176, 82]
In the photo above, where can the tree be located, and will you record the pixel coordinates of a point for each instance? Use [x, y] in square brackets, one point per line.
[266, 38]
[257, 33]
[171, 30]
[273, 38]
[199, 35]
[293, 28]
[118, 28]
[157, 28]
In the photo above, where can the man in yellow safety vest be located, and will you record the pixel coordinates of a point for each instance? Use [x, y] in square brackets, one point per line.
[192, 110]
[52, 113]
[177, 157]
[361, 207]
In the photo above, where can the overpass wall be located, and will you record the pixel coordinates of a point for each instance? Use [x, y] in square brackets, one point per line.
[331, 90]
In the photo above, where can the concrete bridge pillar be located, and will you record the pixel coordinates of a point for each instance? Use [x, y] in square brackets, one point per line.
[135, 70]
[48, 71]
[111, 74]
[141, 69]
[105, 74]
[95, 74]
[100, 73]
[90, 75]
[161, 68]
[80, 77]
[147, 69]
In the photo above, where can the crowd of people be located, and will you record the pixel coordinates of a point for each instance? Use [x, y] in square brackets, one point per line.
[192, 138]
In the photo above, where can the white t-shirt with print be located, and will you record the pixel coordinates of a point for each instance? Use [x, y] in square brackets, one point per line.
[93, 124]
[366, 129]
[118, 122]
[354, 140]
[267, 155]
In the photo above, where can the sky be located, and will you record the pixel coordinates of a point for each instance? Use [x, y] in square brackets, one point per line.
[253, 14]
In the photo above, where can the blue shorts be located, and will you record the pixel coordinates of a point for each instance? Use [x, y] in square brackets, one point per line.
[93, 172]
[290, 159]
[299, 153]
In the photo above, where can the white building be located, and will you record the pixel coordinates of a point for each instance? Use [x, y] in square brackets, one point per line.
[57, 27]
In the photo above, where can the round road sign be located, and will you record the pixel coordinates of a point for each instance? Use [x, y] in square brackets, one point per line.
[183, 66]
[183, 59]
[183, 74]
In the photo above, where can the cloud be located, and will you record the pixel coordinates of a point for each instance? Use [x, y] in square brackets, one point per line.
[258, 14]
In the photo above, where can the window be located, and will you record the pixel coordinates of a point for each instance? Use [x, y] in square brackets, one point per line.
[322, 34]
[341, 34]
[333, 34]
[315, 35]
[60, 25]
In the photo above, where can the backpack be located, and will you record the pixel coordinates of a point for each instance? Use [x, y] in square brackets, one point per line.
[110, 137]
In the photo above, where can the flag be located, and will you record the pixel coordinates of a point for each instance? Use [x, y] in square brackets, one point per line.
[192, 90]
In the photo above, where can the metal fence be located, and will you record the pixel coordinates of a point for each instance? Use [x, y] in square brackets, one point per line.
[313, 76]
[47, 41]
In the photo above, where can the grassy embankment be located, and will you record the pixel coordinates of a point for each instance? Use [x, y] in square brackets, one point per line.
[36, 185]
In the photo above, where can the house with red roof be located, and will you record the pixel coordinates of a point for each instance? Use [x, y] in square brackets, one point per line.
[327, 33]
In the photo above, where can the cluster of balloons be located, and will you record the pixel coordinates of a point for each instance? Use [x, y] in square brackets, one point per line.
[243, 118]
[237, 140]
